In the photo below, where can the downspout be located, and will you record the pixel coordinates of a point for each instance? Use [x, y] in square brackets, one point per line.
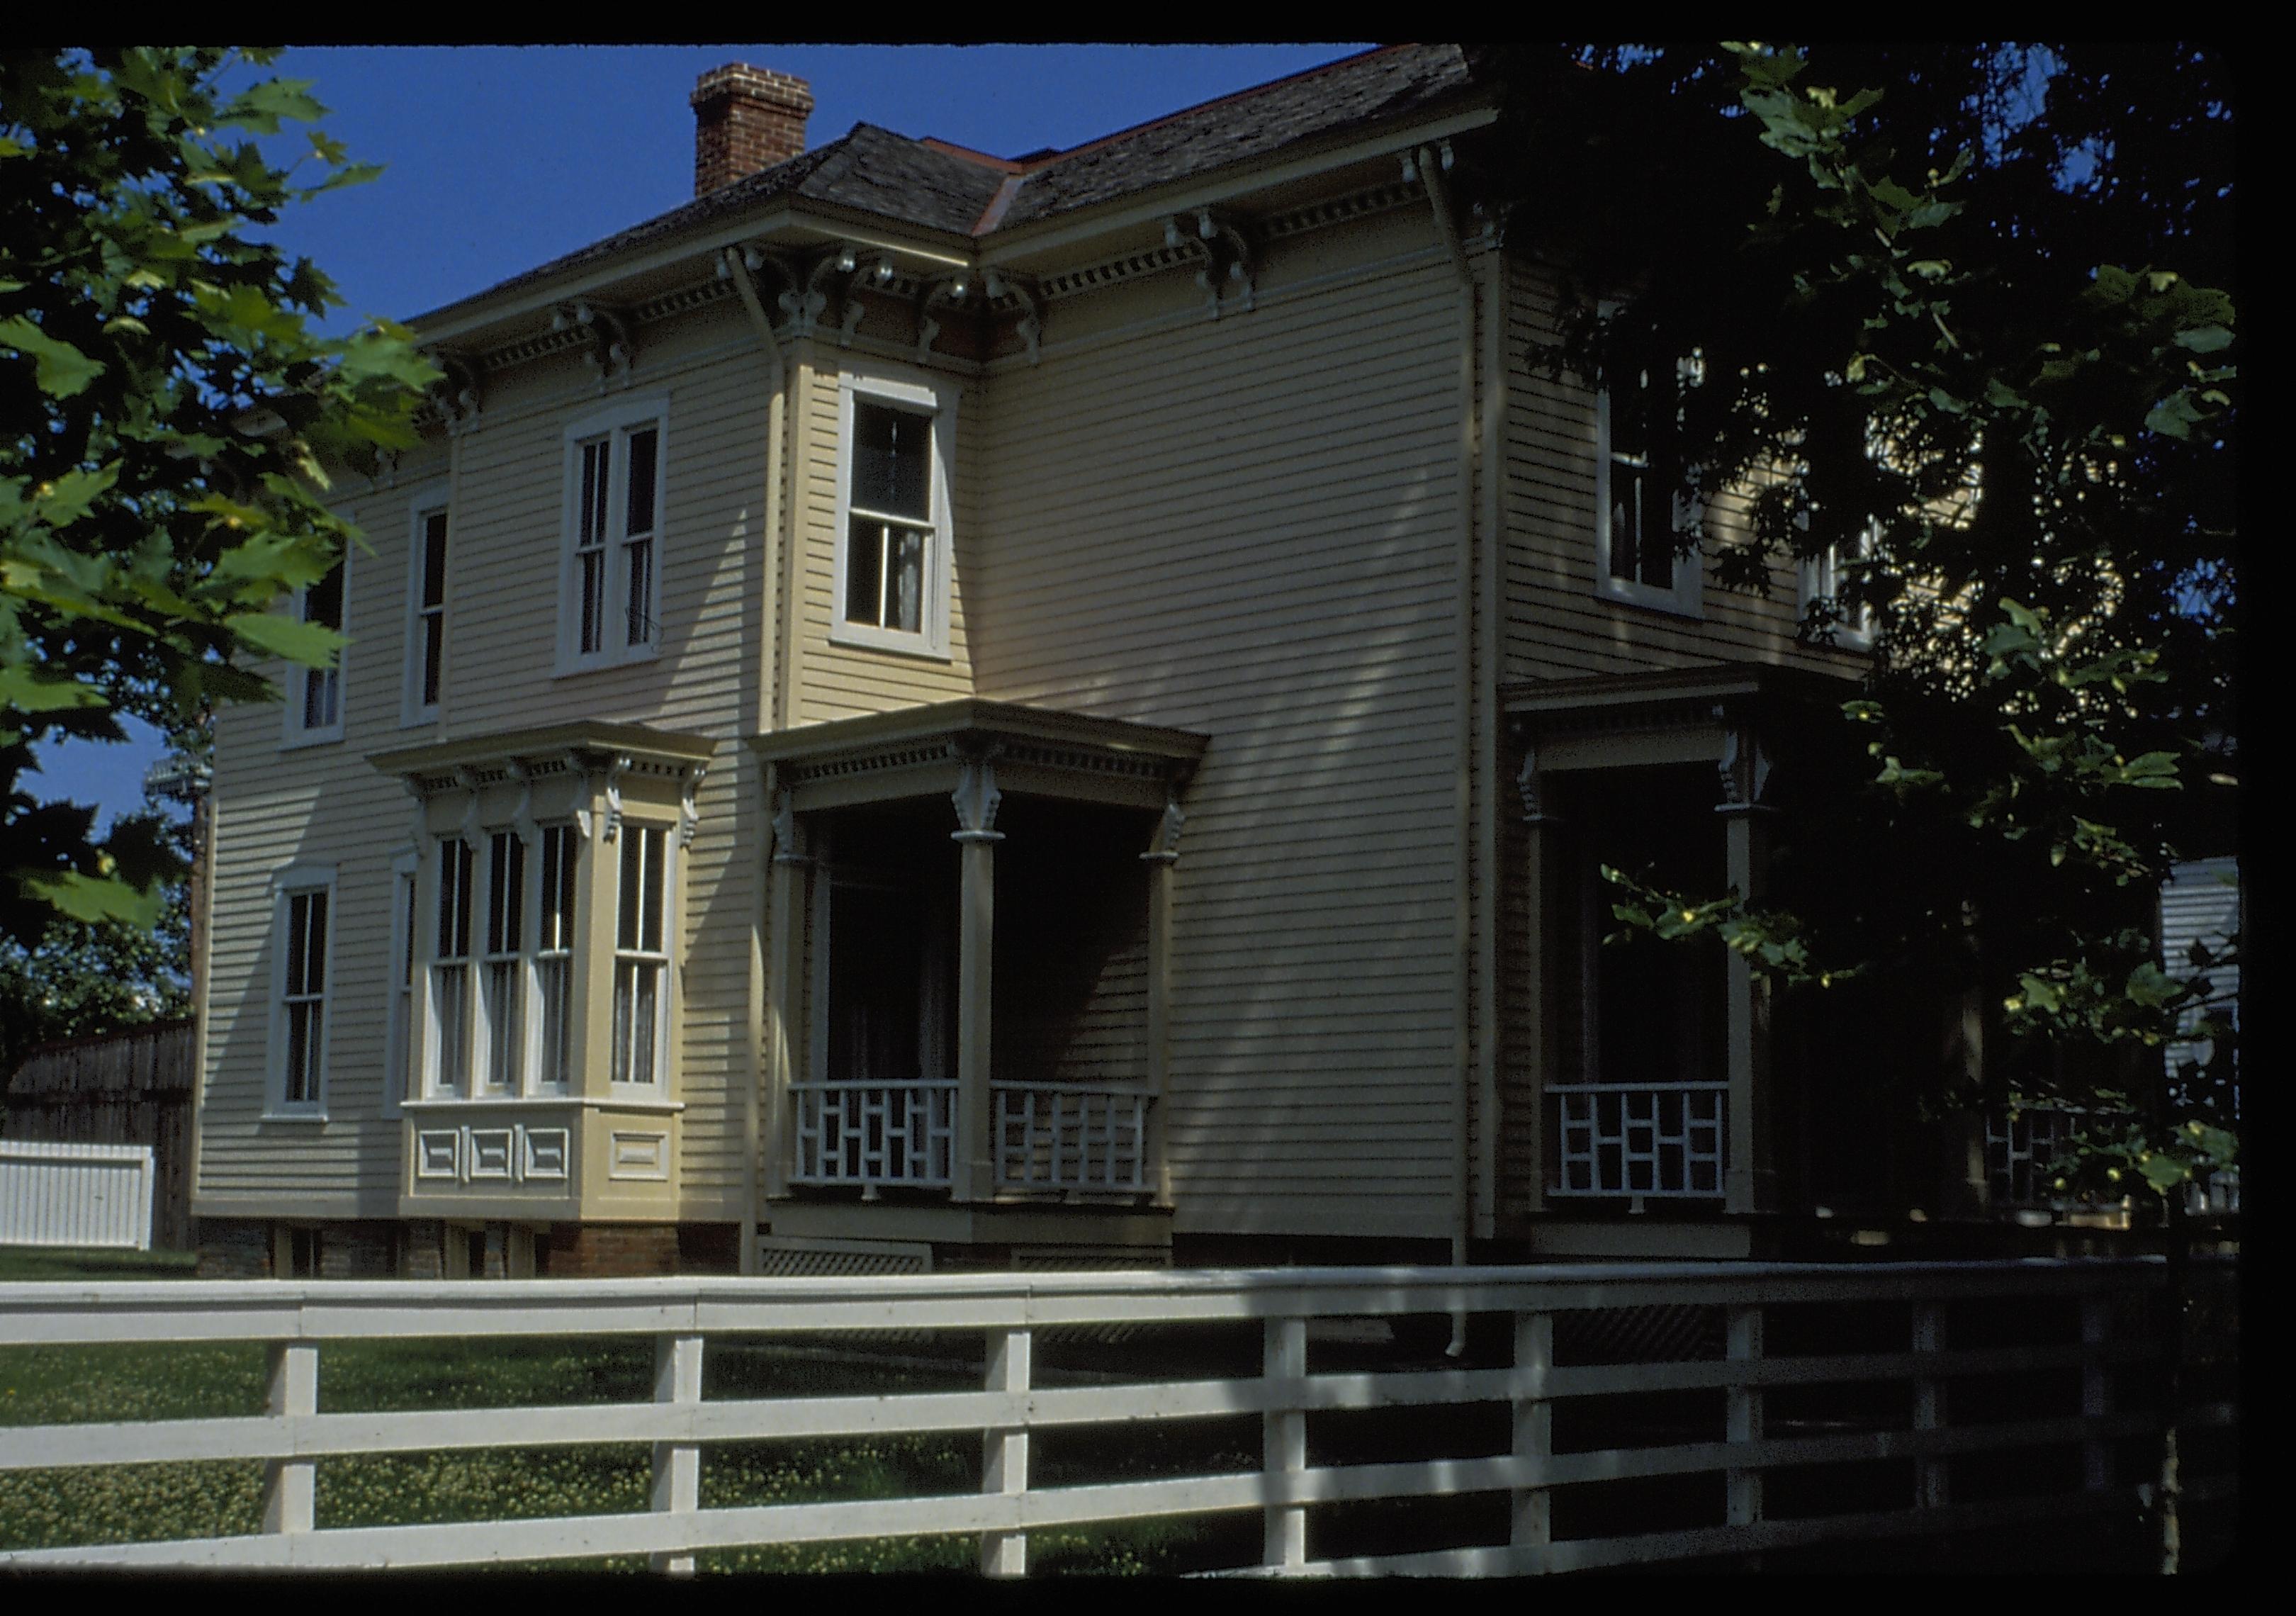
[762, 1070]
[1429, 163]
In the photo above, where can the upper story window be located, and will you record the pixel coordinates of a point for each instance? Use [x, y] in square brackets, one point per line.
[611, 587]
[1846, 627]
[1641, 494]
[896, 441]
[315, 695]
[426, 614]
[299, 1040]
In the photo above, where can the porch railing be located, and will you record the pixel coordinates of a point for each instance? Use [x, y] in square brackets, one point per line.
[874, 1134]
[1072, 1136]
[1639, 1139]
[1968, 1439]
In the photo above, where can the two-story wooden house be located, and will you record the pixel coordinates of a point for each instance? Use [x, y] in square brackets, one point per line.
[924, 707]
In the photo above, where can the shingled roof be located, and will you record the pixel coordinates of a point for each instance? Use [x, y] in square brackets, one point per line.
[942, 187]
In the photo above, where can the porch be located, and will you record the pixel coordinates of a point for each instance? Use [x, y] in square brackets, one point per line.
[948, 1072]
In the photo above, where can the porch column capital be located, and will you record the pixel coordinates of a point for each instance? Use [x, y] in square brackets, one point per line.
[1745, 772]
[1164, 840]
[977, 799]
[1531, 786]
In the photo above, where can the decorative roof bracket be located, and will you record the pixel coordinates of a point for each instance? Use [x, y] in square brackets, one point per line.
[1031, 325]
[953, 290]
[689, 816]
[1229, 255]
[613, 341]
[458, 396]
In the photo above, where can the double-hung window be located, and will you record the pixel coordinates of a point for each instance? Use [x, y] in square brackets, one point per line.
[610, 600]
[1641, 495]
[315, 695]
[502, 996]
[450, 971]
[894, 573]
[553, 958]
[1831, 620]
[640, 956]
[426, 615]
[300, 1030]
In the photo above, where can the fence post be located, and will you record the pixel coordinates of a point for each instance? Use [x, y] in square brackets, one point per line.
[293, 1392]
[1284, 1443]
[1532, 1528]
[1005, 1453]
[1931, 1490]
[676, 1465]
[2096, 1388]
[1743, 1483]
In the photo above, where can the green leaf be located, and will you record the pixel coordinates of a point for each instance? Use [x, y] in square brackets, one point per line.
[37, 690]
[2204, 339]
[94, 898]
[60, 370]
[312, 645]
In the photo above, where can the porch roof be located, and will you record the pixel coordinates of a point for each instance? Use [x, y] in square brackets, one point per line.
[1675, 715]
[918, 752]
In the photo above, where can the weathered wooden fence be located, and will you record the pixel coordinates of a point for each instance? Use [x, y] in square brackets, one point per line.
[1781, 1330]
[122, 1088]
[75, 1194]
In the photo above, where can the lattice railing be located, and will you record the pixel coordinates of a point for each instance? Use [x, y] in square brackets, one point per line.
[874, 1134]
[1639, 1139]
[1072, 1136]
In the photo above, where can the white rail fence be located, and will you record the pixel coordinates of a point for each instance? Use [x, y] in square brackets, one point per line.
[65, 1194]
[1297, 1476]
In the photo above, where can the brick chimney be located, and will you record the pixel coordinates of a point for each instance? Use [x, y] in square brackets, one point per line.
[745, 118]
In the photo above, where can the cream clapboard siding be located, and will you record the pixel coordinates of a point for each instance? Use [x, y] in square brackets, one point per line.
[1556, 627]
[312, 806]
[838, 681]
[1246, 528]
[326, 804]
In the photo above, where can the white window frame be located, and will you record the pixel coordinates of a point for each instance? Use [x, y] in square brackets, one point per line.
[299, 677]
[295, 882]
[1686, 597]
[616, 423]
[1821, 581]
[434, 1087]
[536, 955]
[486, 1082]
[664, 957]
[401, 1073]
[913, 390]
[427, 503]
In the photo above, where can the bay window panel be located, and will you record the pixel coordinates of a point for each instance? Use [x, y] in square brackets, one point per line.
[450, 973]
[505, 969]
[640, 965]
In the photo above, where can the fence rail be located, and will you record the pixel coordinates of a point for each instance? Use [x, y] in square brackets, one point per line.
[1006, 1312]
[56, 1195]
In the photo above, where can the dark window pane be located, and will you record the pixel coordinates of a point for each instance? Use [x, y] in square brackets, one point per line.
[298, 930]
[892, 449]
[632, 884]
[323, 603]
[593, 602]
[650, 925]
[641, 624]
[434, 560]
[434, 645]
[315, 955]
[865, 561]
[593, 493]
[640, 506]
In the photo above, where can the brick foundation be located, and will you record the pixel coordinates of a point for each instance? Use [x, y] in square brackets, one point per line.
[608, 1251]
[233, 1248]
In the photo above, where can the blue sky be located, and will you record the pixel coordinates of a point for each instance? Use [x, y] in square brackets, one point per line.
[499, 158]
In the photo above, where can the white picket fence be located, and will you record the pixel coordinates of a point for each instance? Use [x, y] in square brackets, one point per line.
[683, 1316]
[60, 1194]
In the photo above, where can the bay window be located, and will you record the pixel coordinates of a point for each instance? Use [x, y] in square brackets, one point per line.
[641, 960]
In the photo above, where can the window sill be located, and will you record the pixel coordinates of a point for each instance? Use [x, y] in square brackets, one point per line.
[418, 720]
[857, 636]
[292, 1116]
[606, 664]
[1674, 603]
[312, 737]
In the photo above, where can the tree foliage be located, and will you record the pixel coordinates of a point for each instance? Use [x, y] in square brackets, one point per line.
[167, 419]
[1964, 316]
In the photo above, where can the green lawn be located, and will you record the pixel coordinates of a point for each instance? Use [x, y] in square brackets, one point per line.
[39, 1385]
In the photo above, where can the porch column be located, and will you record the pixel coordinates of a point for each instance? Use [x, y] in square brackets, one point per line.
[790, 871]
[972, 1173]
[1162, 855]
[1538, 1019]
[1750, 1181]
